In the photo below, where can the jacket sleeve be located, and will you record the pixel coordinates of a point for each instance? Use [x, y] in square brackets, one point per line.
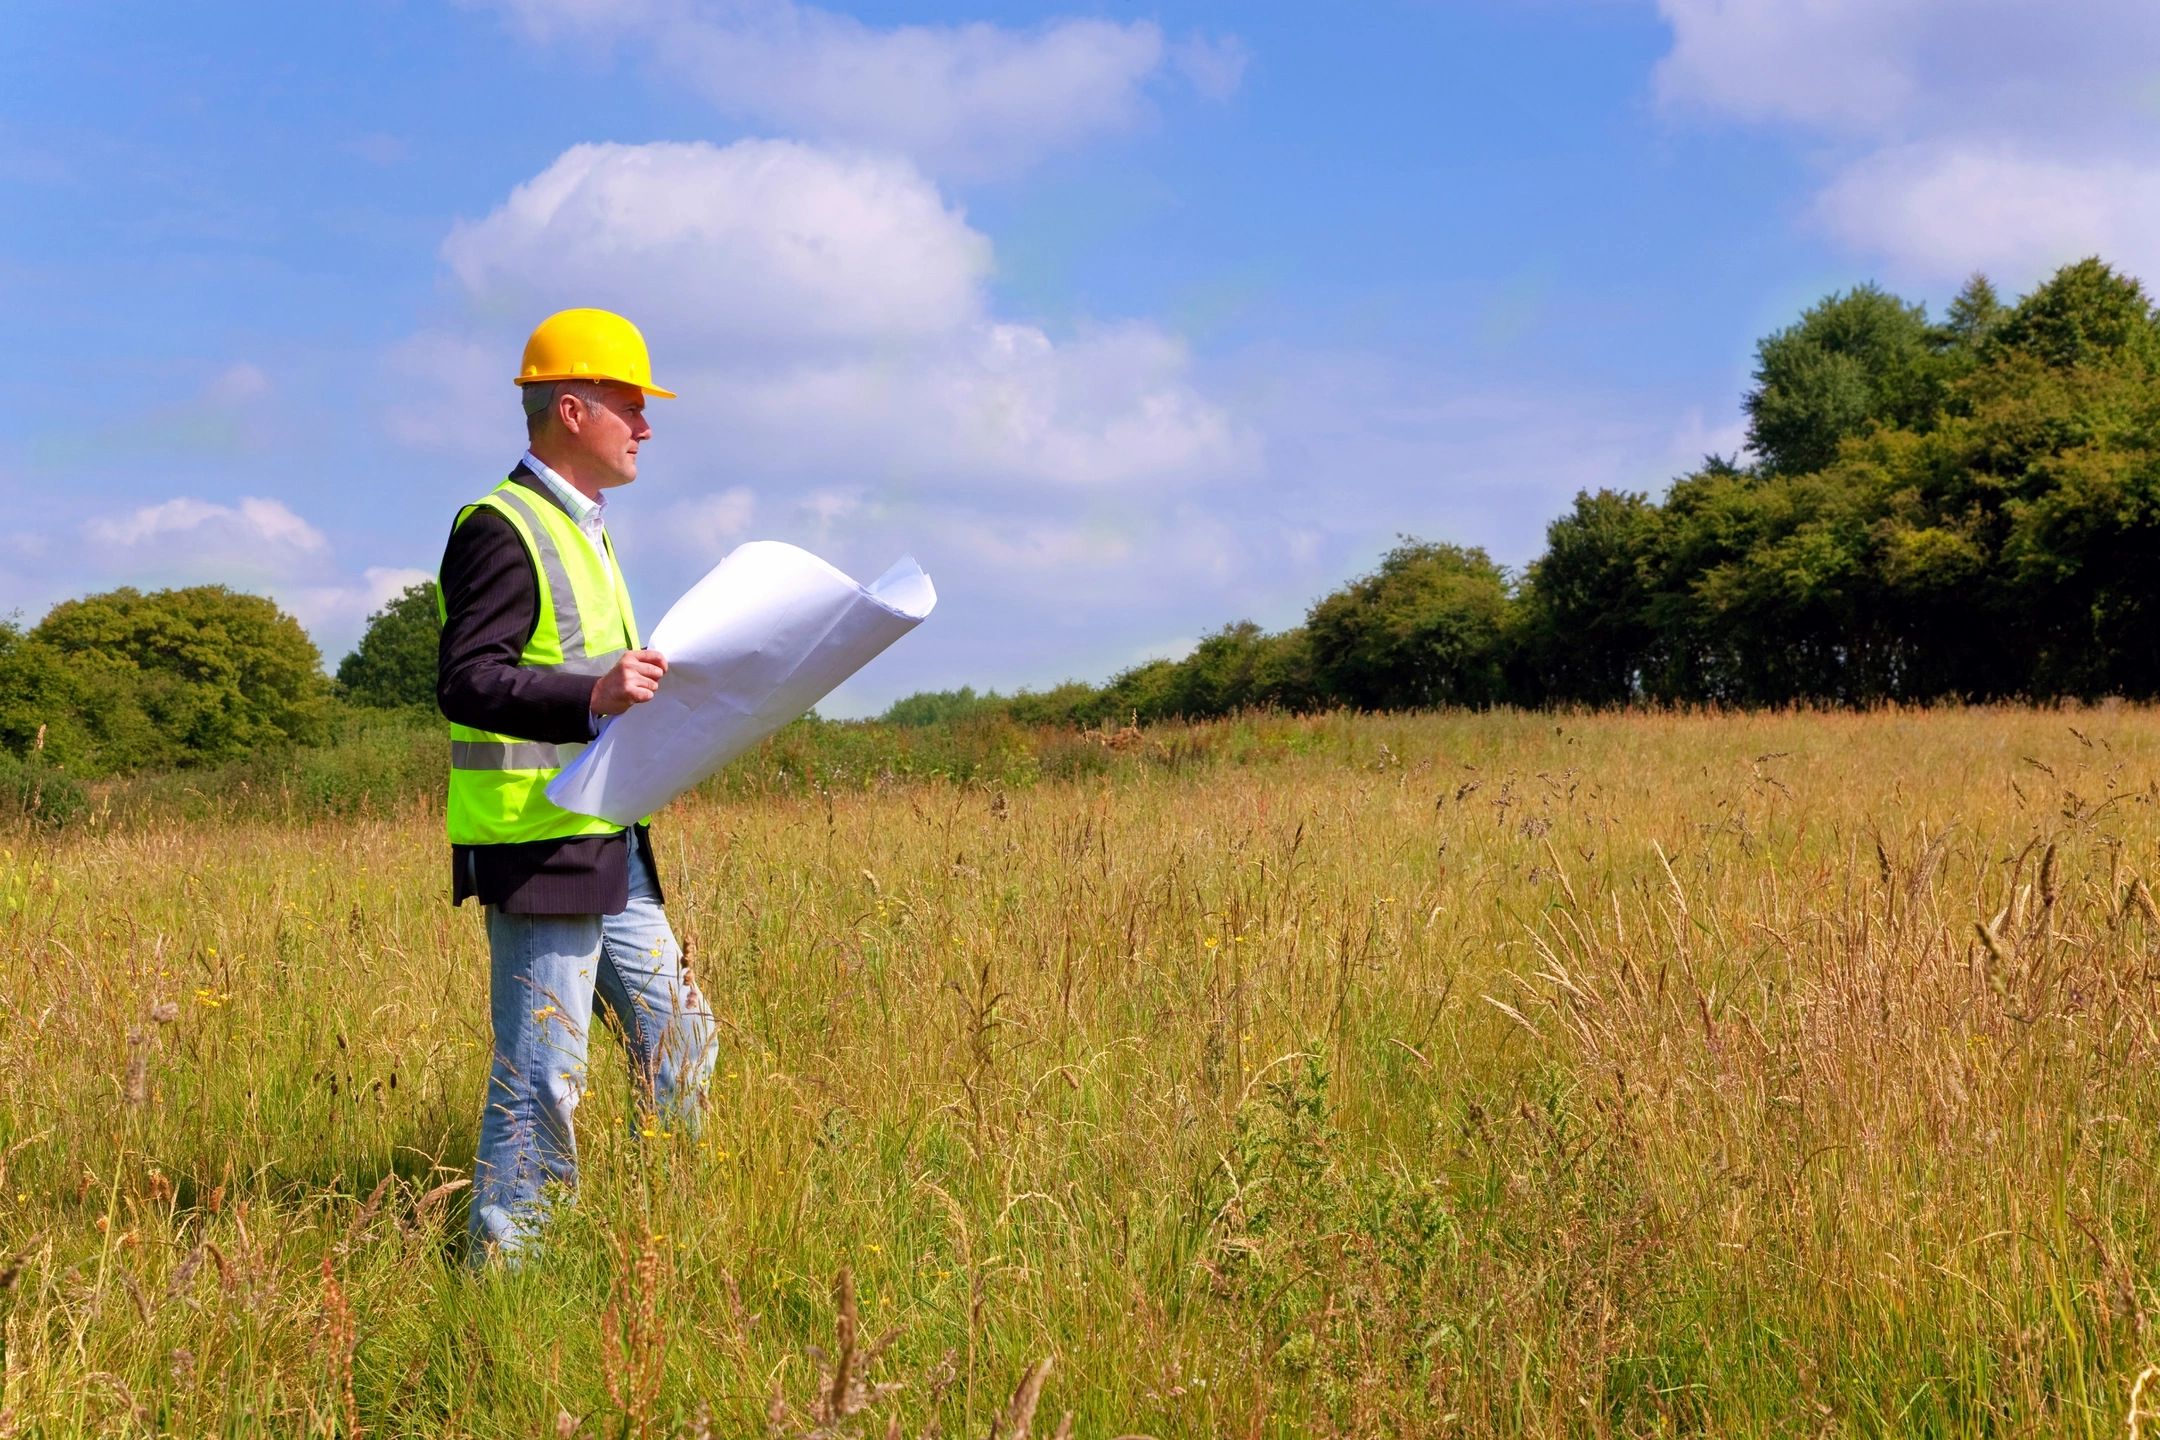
[491, 600]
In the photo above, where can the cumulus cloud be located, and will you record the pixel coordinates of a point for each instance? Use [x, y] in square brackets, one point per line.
[1950, 208]
[966, 99]
[2007, 135]
[255, 537]
[1843, 63]
[990, 407]
[824, 314]
[763, 241]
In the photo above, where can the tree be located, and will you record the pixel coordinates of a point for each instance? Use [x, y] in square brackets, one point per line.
[188, 676]
[36, 698]
[1218, 676]
[1974, 315]
[939, 707]
[394, 665]
[1852, 360]
[2084, 313]
[1586, 626]
[1424, 629]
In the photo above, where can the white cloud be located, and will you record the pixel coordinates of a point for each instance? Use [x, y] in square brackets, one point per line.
[1820, 62]
[256, 536]
[2008, 135]
[823, 315]
[967, 99]
[1026, 548]
[1949, 209]
[987, 406]
[762, 241]
[848, 387]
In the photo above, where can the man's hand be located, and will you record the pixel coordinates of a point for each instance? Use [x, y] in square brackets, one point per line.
[634, 680]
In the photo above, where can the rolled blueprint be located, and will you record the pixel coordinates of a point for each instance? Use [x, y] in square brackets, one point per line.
[765, 635]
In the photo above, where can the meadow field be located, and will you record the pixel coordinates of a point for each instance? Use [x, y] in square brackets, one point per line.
[1507, 1074]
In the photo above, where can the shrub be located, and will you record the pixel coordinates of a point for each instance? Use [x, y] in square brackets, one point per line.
[40, 792]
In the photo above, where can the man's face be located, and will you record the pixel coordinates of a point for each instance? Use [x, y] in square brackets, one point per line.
[608, 428]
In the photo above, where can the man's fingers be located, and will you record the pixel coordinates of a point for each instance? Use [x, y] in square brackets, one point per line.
[634, 680]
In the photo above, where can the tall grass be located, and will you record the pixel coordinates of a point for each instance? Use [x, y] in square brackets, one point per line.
[1622, 1075]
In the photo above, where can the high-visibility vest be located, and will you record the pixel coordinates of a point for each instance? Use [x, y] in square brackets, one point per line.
[498, 782]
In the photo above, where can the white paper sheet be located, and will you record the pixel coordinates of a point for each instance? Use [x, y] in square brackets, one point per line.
[765, 635]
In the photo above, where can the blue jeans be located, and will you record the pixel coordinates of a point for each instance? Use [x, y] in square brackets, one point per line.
[545, 972]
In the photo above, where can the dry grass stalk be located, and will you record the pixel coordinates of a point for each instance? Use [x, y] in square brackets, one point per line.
[2138, 1415]
[1019, 1416]
[844, 1388]
[135, 1084]
[634, 1337]
[2142, 897]
[425, 1207]
[368, 1208]
[340, 1338]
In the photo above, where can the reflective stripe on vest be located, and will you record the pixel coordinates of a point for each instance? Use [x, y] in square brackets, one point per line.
[498, 782]
[511, 754]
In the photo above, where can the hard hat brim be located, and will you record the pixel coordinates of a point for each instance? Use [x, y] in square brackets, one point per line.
[653, 390]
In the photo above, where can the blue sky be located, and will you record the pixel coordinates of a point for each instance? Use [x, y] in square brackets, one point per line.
[1127, 321]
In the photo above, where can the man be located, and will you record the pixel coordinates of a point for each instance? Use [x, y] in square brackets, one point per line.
[538, 646]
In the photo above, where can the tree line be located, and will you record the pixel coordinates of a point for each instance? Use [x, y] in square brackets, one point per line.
[128, 680]
[1965, 508]
[1962, 508]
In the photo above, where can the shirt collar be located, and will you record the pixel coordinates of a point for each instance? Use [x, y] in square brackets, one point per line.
[581, 509]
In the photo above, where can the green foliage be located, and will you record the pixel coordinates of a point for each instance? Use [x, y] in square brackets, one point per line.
[1974, 316]
[394, 665]
[39, 695]
[126, 681]
[1238, 667]
[186, 676]
[36, 790]
[2085, 314]
[1326, 1253]
[1585, 630]
[1424, 629]
[940, 707]
[1853, 360]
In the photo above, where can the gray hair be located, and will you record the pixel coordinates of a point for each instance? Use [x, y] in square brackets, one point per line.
[539, 399]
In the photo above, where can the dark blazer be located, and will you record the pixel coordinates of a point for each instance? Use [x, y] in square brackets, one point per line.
[491, 598]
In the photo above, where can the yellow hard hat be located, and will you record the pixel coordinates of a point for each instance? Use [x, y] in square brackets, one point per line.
[588, 345]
